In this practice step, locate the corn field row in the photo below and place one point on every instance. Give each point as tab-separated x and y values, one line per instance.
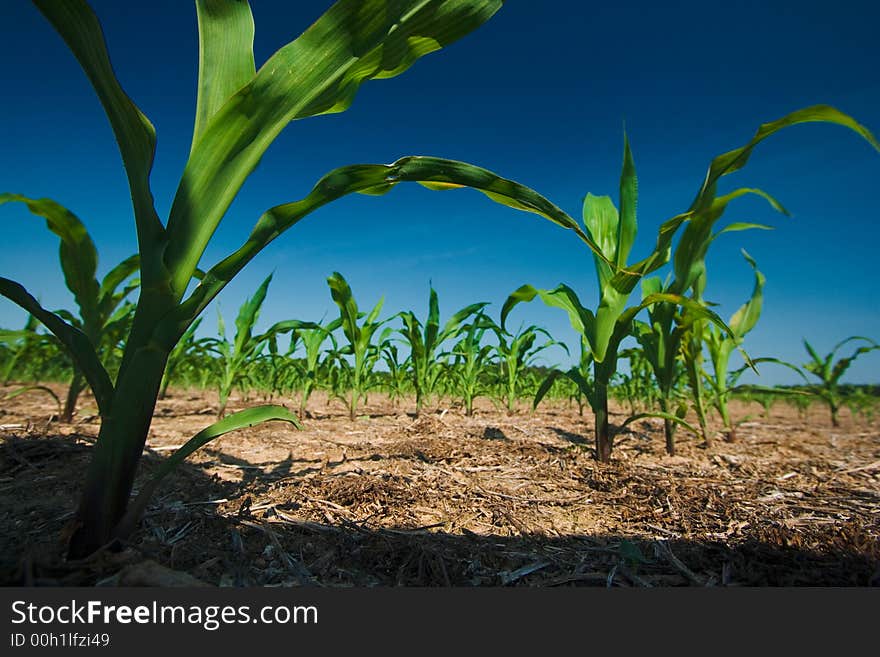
412	364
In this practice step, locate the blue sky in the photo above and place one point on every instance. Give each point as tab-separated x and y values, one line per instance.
538	94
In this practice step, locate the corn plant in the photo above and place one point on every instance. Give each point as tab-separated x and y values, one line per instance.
722	346
516	352
613	231
399	377
361	347
313	340
472	359
239	112
674	332
103	309
424	340
829	371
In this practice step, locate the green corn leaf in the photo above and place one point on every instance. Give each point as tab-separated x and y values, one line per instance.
342	295
226	56
78	345
602	223
690	254
664	416
736	159
739	226
77	253
745	318
233	422
107	297
629	194
318	73
432	327
455	321
582	319
354	179
77	24
248	315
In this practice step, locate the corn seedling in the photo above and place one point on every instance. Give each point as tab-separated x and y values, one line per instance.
829	371
515	353
424	340
472	359
721	346
360	347
103	310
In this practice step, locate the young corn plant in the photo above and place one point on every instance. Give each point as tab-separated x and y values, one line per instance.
104	313
313	340
424	340
674	332
361	347
236	358
399	379
472	359
240	110
613	232
515	353
829	371
721	346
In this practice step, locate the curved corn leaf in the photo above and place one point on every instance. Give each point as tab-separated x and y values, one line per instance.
318	73
735	160
77	24
582	319
690	254
738	226
248	314
355	179
664	416
108	298
37	388
78	345
77	253
736	374
233	422
745	318
573	374
342	295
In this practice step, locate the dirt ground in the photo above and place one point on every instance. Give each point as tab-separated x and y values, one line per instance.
440	500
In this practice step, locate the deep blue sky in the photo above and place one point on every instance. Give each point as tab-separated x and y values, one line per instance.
538	94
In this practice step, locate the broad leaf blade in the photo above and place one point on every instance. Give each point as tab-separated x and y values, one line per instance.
226	56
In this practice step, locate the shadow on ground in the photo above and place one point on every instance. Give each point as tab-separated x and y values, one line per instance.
225	533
